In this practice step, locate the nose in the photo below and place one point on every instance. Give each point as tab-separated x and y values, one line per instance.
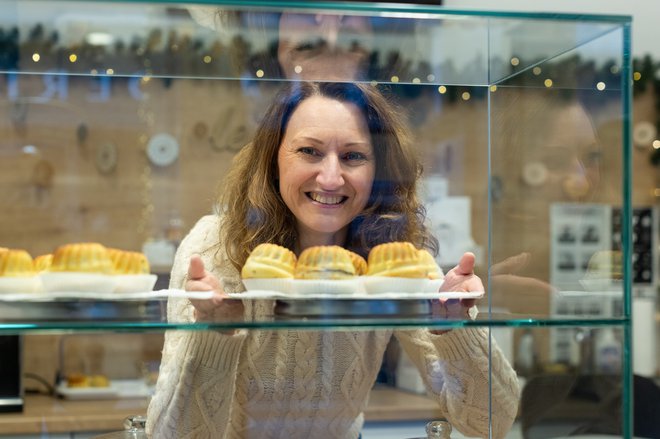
577	185
329	27
330	175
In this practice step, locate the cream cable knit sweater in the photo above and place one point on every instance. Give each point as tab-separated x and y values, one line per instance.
309	384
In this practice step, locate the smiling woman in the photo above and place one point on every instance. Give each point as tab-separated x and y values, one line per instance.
331	163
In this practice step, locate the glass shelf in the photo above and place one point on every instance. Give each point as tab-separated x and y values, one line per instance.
341	323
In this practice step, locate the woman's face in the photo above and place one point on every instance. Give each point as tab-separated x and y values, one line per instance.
326	167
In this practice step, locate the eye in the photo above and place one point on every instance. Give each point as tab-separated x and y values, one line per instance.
308	150
354	156
592	158
305	46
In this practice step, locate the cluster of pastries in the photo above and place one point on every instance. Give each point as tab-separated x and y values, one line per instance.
394	259
84	266
87	257
92	257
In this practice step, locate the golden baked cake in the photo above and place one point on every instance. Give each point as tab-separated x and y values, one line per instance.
43	262
427	260
16	263
77	380
395	259
99	381
85	257
605	265
269	261
325	262
129	262
359	263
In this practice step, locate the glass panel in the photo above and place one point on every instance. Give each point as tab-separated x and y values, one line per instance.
111	142
124	123
556	176
572	381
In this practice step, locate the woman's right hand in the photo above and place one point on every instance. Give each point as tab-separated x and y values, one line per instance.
217	308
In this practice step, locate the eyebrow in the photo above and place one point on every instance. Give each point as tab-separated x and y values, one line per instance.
319	141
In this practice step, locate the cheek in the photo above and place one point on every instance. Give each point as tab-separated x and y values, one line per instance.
365	183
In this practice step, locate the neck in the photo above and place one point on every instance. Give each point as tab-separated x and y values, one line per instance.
309	239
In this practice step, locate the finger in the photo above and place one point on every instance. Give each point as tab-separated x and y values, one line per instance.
466	264
196	269
513	282
511	264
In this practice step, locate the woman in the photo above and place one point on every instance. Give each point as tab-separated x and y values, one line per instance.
331	163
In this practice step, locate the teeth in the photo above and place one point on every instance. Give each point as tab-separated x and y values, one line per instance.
326	199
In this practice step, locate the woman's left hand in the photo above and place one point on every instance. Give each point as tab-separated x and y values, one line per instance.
461	278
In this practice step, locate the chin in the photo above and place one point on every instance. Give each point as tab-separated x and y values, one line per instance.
327	227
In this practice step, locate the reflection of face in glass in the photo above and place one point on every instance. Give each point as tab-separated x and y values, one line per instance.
571	155
323	46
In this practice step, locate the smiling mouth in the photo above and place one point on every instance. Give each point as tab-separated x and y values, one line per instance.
328	200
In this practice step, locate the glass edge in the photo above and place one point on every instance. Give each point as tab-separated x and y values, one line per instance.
388	7
626	86
335	324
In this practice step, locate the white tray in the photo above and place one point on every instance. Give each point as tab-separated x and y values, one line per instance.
118	389
102	296
274	295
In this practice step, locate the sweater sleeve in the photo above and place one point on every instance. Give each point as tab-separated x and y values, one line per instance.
457	373
195	388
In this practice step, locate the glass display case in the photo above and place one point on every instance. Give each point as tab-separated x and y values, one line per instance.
119	122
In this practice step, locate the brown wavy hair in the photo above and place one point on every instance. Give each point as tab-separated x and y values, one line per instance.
252	207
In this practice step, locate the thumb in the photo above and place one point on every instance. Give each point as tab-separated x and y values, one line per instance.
466	264
196	268
511	264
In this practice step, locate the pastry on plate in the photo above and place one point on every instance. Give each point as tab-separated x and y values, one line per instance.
77	380
359	263
268	261
99	381
43	262
396	259
129	262
431	267
328	262
16	263
86	257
